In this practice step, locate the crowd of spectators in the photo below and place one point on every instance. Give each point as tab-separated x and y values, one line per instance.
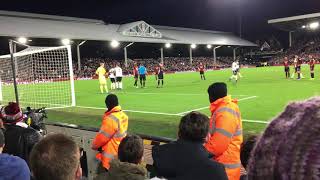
303	46
287	149
171	64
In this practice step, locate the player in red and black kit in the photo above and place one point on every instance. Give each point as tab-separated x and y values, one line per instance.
136	75
156	71
286	67
299	62
160	75
312	63
201	70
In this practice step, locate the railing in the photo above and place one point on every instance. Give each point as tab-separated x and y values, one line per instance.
84	137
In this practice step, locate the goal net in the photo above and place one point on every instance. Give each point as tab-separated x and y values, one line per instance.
44	77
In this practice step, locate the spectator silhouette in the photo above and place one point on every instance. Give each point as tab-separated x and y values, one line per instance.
187	159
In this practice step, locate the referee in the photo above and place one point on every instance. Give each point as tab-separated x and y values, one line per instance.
142	72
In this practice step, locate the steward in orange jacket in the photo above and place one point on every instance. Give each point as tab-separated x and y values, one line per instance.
225	137
113	130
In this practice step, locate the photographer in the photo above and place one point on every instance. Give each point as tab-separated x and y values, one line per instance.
20	138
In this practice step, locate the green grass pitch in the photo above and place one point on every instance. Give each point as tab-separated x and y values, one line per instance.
263	93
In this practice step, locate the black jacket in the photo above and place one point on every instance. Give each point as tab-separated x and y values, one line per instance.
184	160
19	141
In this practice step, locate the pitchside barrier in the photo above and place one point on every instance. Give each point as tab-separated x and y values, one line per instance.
84	137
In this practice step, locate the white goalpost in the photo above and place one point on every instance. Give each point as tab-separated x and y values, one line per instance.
44	77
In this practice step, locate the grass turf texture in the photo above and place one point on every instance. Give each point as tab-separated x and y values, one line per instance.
185	91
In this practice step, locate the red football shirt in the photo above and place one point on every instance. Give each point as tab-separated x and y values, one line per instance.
156	70
201	68
312	62
135	70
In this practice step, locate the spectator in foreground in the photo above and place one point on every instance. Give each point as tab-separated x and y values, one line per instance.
12	167
225	130
19	137
246	149
112	131
289	147
127	167
187	159
56	157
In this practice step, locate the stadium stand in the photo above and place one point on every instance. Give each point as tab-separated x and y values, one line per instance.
305	45
172	64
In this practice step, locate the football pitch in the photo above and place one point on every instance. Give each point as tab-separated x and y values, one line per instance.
262	93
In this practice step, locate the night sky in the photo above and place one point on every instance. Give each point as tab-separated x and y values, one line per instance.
222	15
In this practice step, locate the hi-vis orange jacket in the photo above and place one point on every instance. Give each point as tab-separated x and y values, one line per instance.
226	135
113	130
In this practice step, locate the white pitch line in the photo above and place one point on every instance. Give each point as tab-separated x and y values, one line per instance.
170	114
255	121
198	109
127	110
177	94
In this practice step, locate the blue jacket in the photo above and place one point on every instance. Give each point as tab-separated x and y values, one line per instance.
13	168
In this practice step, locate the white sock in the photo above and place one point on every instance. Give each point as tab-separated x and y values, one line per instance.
120	85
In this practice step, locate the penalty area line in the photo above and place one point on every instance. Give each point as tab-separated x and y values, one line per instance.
255	121
169	114
206	107
175	94
135	111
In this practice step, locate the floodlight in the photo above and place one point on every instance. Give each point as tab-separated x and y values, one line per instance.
22	40
193	46
65	41
168	45
303	27
314	25
114	44
209	46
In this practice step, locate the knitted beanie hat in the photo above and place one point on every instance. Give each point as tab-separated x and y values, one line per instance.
11	113
289	148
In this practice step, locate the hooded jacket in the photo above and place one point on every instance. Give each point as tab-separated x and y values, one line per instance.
123	171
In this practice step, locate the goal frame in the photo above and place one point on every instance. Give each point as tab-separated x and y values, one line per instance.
13	54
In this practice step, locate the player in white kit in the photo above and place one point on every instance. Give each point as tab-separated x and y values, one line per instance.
112	78
234	68
118	73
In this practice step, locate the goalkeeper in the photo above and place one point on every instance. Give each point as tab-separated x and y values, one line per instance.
101	72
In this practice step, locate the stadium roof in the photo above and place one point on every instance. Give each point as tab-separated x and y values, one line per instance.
295	22
16	24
